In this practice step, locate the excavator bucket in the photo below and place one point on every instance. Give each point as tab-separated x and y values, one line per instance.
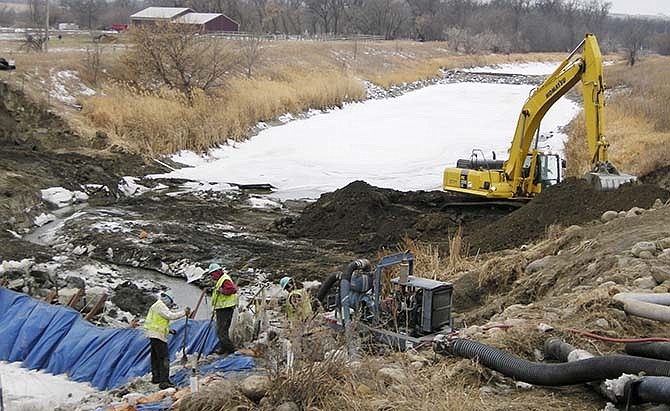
604	181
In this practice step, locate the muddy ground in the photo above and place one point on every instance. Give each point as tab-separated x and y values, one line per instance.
39	150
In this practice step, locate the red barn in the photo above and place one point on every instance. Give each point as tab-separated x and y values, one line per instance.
209	22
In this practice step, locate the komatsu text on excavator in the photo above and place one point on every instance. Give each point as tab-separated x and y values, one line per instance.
527	171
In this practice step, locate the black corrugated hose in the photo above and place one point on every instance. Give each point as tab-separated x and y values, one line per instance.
577	372
660	350
648	389
326	286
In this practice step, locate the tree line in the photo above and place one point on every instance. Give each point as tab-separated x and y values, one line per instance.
468	25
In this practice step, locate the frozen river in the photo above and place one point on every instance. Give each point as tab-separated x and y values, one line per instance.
402	143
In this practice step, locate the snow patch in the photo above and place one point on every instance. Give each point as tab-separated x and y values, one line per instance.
61	197
44	218
11	265
262	202
23	389
285	118
129	187
64	84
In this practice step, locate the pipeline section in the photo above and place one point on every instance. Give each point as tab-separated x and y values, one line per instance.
345	286
327	285
658	350
646	305
648	389
577	372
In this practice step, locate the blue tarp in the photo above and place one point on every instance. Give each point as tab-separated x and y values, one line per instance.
230	364
58	340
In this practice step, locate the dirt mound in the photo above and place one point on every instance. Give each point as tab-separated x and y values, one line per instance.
129	297
369	217
660	177
570	202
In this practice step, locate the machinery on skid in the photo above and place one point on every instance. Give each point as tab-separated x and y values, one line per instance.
527	171
402	312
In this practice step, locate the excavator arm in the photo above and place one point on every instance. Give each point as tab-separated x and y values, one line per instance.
562	80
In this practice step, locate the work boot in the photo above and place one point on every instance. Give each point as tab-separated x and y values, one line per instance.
165	385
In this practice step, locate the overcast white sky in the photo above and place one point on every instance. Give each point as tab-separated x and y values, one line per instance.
641	6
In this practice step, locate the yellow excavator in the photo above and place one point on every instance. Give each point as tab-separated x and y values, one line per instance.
527	171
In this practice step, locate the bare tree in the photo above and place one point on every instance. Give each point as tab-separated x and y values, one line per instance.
251	53
34	41
86	12
634	34
92	62
383	17
177	57
7	15
36	10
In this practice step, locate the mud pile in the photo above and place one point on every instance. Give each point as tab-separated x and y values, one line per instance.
368	217
660	177
571	202
129	297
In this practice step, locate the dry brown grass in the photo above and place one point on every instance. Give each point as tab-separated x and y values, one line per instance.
164	122
216	396
637	119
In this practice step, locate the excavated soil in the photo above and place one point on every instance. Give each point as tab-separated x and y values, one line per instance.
660	177
571	202
368	217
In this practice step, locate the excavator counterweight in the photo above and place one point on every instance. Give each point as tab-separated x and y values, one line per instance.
528	170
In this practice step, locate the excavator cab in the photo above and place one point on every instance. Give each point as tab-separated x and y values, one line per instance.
548	169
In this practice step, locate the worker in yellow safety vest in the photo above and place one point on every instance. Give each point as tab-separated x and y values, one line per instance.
157	328
298	302
224	301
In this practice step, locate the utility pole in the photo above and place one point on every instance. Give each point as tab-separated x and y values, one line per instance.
46	27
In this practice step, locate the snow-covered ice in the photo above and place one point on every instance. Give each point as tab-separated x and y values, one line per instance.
403	143
23	389
529	69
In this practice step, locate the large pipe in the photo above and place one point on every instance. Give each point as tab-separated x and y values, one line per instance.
650	306
326	286
649	389
577	372
659	350
645	389
345	283
562	351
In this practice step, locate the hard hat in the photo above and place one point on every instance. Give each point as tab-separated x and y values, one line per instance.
213	267
284	282
168	294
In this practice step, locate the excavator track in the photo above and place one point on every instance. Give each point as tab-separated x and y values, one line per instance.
510	205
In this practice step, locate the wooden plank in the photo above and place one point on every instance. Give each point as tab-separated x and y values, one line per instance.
97	308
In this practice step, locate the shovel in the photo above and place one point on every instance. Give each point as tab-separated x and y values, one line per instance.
184	358
194	371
